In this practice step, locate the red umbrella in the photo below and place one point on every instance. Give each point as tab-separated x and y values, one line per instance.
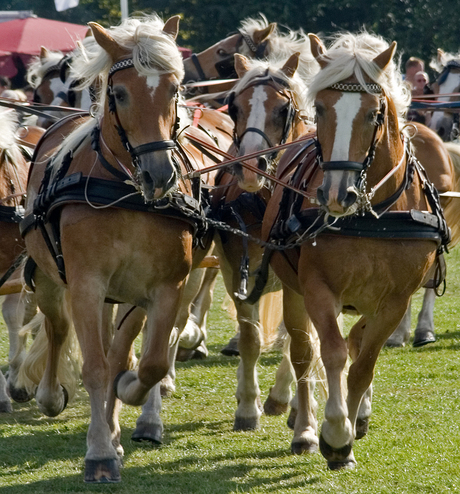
23	38
26	36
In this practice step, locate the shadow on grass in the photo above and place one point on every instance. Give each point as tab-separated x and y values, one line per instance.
192	474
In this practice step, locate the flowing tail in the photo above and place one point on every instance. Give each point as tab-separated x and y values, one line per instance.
33	367
452	208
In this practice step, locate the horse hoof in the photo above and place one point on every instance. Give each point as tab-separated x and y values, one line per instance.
301	447
153	435
423	337
337	458
341	465
291	419
6	407
231	349
246	424
102	471
390	343
362	428
274	407
19	395
184	354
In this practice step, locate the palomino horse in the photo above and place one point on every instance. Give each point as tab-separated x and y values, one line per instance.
109	217
266	105
357	235
16	308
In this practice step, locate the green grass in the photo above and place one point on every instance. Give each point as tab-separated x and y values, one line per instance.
413	445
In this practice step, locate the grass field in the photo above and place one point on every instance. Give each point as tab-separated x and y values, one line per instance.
413	445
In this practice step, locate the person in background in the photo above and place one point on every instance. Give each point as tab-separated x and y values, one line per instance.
420	81
413	65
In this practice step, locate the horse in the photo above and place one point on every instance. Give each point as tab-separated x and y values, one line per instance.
146	224
362	231
268	108
48	74
256	38
17	308
444	123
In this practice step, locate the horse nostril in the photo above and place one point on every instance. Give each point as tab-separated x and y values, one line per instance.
147	178
263	164
321	196
350	198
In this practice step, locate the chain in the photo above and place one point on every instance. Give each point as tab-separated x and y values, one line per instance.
301	238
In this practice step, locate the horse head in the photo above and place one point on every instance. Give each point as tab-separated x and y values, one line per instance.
446	124
140	109
265	106
352	115
217	61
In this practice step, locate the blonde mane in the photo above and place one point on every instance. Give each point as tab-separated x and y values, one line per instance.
282	45
352	55
8	126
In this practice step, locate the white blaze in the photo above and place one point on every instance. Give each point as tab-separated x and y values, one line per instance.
346	109
257	115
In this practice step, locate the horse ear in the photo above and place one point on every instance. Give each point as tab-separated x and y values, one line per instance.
386	56
105	41
291	65
262	34
171	26
88	33
43	53
241	65
440	55
318	50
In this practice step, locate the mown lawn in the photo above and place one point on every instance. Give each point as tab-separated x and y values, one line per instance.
413	445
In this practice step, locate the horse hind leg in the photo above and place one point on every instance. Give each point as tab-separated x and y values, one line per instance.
401	334
280	394
424	332
304	350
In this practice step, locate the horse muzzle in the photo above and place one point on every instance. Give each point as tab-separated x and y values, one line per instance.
249	180
338	194
158	175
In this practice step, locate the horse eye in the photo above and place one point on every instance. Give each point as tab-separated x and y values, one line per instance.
222	53
120	95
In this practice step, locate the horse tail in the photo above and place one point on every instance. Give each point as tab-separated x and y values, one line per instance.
270	317
452	209
33	367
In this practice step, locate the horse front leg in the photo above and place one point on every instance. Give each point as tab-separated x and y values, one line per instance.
119	356
132	387
337	433
102	462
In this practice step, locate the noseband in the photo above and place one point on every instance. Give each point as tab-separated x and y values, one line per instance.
136	152
282	87
357	166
